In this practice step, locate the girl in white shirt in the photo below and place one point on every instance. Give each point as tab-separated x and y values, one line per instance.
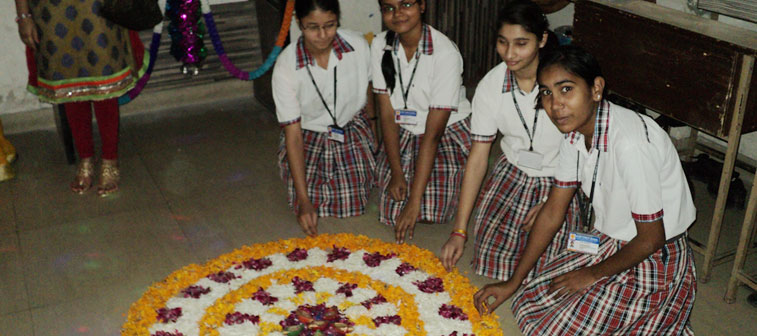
631	271
324	103
424	117
505	101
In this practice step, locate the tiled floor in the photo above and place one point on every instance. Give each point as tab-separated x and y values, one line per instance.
197	182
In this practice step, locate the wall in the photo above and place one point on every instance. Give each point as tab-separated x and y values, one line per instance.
13	74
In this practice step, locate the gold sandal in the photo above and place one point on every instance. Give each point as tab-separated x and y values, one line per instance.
83	179
109	178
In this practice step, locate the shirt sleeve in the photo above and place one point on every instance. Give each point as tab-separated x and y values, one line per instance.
377	53
565	175
483	125
284	85
640	174
447	80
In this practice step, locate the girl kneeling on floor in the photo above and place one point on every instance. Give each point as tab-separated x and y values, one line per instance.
631	271
424	117
505	101
324	103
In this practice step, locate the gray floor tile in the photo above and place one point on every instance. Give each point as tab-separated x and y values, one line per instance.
17	324
12	286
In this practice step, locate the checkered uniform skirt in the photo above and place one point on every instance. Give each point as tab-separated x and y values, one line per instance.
654	297
339	176
440	198
506	198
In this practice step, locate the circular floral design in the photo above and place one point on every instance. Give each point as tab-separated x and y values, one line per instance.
329	285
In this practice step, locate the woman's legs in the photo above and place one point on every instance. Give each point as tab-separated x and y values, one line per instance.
106	112
79	115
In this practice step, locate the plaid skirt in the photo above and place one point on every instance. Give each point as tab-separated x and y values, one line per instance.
339	176
653	298
506	198
440	198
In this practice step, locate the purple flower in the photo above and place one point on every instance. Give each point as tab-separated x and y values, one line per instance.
239	318
256	264
264	297
298	254
346	289
430	285
405	268
195	291
452	312
375	259
302	285
394	319
166	315
338	253
223	277
376	300
166	333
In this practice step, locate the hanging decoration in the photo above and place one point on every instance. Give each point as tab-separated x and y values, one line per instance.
187	31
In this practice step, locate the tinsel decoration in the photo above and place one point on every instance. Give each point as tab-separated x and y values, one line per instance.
187	31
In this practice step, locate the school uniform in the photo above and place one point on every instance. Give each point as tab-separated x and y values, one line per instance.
436	84
339	175
515	185
639	178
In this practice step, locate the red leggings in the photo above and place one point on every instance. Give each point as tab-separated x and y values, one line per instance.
79	116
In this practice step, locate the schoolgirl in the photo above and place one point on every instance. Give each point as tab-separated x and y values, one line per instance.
630	271
524	173
325	106
424	117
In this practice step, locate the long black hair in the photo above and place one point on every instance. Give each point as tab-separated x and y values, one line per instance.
528	15
302	8
387	64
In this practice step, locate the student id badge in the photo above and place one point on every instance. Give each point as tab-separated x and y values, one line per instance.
530	159
336	133
583	243
405	117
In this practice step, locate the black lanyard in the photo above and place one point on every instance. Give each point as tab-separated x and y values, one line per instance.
406	94
333	115
587	210
522	119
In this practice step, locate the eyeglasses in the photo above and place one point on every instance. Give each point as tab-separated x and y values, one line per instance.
404	6
314	28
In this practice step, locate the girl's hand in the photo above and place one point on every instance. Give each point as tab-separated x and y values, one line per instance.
572	282
531	217
452	251
28	33
308	219
406	222
397	188
501	291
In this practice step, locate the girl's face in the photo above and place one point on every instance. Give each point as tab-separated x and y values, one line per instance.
402	16
519	48
569	101
319	29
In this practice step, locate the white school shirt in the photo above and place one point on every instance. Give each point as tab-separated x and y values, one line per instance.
493	109
640	177
295	96
438	82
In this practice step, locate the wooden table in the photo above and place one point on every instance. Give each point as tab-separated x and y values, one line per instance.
689	68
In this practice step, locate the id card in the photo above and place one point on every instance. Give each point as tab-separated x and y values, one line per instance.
336	133
583	243
530	159
405	117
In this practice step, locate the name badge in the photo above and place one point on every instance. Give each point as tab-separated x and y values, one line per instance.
530	159
405	117
336	133
583	243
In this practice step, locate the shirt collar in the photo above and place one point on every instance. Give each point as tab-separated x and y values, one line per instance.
510	83
425	45
601	137
340	46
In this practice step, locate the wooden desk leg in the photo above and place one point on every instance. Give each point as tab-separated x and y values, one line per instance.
747	67
734	137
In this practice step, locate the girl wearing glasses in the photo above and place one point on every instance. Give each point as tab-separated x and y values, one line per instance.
324	105
631	271
505	101
417	76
